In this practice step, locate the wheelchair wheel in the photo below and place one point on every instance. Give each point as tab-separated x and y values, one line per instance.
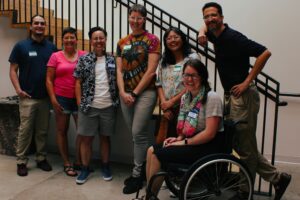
217	177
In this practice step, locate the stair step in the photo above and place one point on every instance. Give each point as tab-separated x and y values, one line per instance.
23	19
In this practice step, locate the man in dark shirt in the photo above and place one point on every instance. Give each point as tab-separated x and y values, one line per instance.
233	51
29	57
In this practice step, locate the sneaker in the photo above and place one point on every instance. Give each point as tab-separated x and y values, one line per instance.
22	169
282	184
44	165
128	180
133	184
83	176
106	173
143	175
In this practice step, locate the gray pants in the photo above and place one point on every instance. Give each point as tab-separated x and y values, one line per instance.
137	118
246	108
34	118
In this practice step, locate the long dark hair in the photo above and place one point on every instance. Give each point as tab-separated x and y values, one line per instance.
202	72
168	57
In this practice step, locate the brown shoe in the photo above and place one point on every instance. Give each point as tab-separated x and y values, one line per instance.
22	169
44	165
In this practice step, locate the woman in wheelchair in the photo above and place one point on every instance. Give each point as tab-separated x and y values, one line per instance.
199	126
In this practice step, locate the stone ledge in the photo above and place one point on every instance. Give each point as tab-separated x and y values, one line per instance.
9	124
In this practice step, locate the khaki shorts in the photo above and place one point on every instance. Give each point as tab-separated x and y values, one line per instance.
97	121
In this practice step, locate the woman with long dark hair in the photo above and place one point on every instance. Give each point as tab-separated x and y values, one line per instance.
169	78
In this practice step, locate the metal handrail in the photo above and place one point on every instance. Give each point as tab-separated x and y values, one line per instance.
289	94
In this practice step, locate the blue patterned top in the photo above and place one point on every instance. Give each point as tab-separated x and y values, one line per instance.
85	70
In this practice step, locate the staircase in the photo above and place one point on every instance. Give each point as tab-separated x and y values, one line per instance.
21	11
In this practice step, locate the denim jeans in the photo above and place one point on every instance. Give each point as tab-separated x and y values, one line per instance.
137	118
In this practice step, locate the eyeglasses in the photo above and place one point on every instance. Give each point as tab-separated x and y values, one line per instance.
186	76
172	37
138	19
213	15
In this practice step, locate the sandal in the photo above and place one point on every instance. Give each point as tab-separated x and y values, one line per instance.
69	170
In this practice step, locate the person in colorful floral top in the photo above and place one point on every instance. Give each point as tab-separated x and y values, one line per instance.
169	77
97	97
199	127
137	58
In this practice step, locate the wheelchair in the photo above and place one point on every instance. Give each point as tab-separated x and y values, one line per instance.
219	176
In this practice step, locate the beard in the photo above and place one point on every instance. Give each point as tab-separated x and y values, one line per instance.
214	26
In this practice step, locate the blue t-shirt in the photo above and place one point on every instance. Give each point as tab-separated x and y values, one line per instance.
32	58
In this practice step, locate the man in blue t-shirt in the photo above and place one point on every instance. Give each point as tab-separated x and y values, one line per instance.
28	61
233	51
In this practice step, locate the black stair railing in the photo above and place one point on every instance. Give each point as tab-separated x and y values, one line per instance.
113	15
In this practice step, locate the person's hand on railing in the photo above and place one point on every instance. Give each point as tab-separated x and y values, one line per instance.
202	38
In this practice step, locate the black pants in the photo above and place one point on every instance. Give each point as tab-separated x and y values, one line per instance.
188	154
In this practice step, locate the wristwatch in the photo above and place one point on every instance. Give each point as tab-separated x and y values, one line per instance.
133	94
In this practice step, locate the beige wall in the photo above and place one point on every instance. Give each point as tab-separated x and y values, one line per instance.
8	38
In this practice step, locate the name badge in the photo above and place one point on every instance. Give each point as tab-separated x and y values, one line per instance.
177	68
32	53
111	65
127	47
192	115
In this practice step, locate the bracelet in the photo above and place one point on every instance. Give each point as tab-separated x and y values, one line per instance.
185	141
133	94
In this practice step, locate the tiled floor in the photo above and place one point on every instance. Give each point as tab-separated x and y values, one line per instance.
55	185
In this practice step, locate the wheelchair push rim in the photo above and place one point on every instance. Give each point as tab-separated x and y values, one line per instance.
217	177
